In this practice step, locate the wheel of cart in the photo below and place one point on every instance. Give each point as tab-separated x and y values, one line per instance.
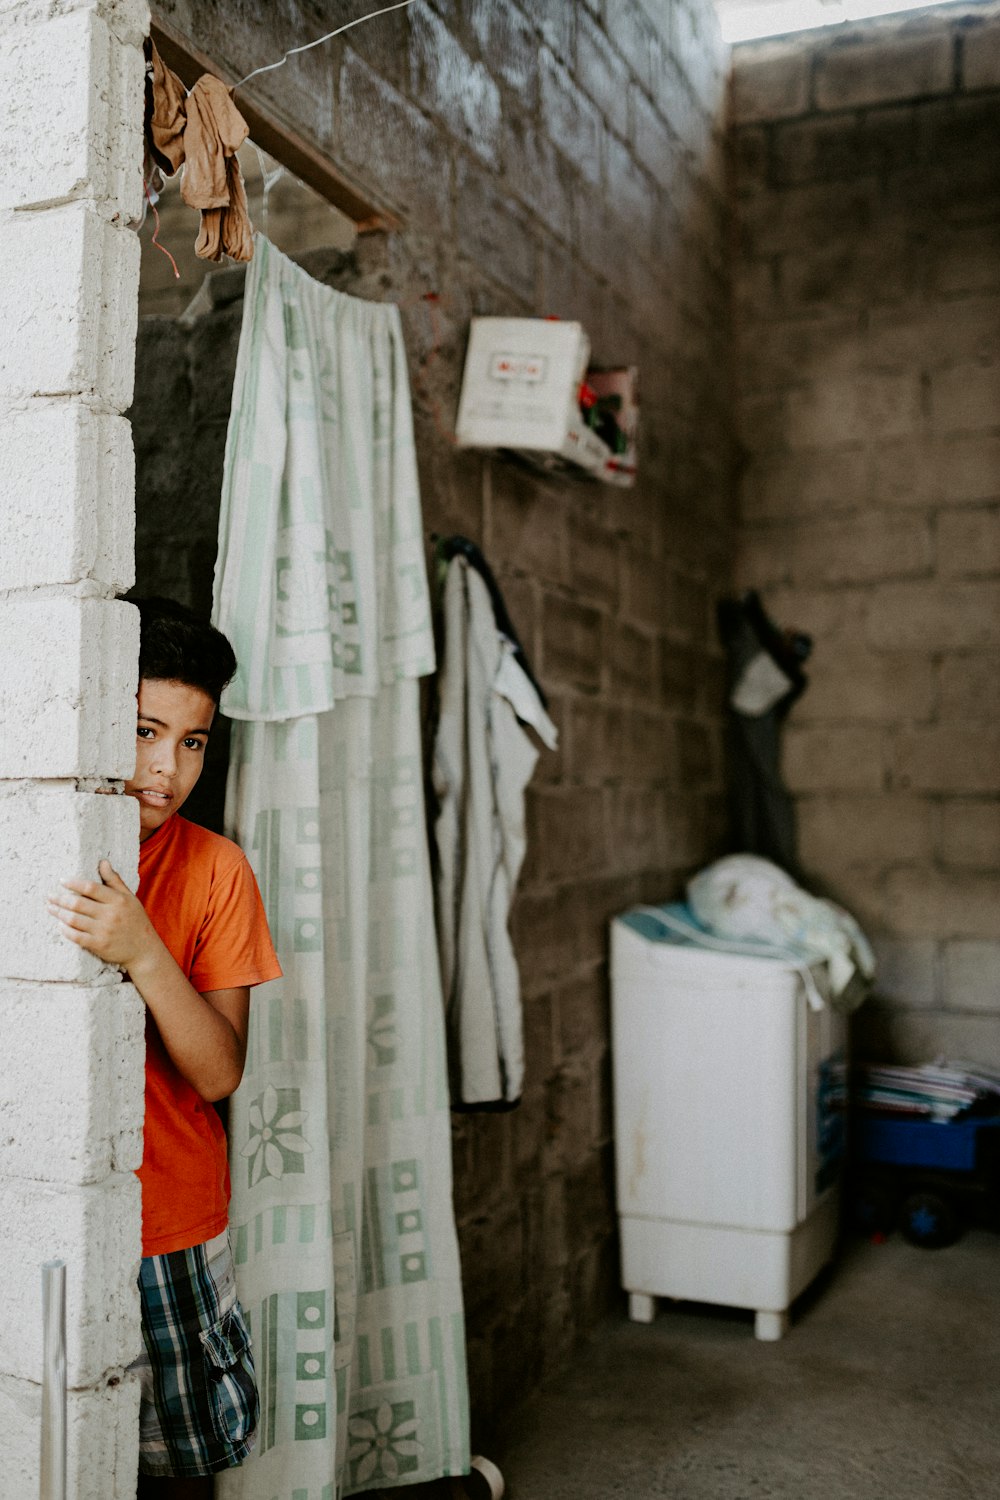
929	1177
929	1218
874	1203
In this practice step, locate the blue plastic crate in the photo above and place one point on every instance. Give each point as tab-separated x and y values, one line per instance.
947	1144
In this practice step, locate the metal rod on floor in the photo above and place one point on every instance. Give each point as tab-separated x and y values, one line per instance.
54	1381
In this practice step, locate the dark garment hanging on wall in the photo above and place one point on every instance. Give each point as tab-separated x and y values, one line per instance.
765	678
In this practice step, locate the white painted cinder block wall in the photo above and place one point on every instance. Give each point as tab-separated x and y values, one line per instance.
71	1032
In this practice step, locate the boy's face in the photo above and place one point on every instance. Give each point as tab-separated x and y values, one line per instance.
171	735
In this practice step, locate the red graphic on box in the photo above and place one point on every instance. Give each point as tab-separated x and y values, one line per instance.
529	369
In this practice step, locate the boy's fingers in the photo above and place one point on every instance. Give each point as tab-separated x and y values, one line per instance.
92	889
110	876
71	902
69	918
72	936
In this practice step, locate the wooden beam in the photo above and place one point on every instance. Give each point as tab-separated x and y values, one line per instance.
272	135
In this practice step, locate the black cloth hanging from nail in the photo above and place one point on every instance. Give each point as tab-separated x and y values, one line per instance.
764	679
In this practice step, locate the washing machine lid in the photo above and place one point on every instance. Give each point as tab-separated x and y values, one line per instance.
675	925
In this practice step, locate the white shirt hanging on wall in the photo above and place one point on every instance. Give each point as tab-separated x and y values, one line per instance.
483	761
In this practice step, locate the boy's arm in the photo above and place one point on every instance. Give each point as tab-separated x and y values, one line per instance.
205	1035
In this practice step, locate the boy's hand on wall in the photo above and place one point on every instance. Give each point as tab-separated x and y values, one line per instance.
104	917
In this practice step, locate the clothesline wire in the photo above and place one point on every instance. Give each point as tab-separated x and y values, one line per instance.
292	51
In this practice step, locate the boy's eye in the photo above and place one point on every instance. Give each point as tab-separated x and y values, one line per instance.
144	731
194	744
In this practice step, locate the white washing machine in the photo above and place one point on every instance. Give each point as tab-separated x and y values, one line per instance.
729	1130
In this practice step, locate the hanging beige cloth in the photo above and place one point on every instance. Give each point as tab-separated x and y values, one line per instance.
202	131
167	116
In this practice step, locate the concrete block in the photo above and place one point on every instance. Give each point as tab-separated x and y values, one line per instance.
596	749
523	515
601	73
934	616
786	486
956	330
392	145
967	260
850	759
684	673
848	275
968	543
972	977
854	74
769	84
966	397
906	972
68	318
849	684
90	1045
816	149
656	147
813	214
902	472
48	834
841	409
630	663
641	45
67	695
593	561
932	903
127	19
493	231
970	833
632	200
917	1036
96	1231
948	758
967	468
569	118
981	55
838	832
643	588
102	1439
635	819
85	141
565	832
507	44
539	176
68	496
450	84
969	685
870	548
571	637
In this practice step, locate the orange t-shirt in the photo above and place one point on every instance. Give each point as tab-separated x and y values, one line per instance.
200	894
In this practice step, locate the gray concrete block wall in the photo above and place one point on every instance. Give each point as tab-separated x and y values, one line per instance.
562	159
867	294
71	1033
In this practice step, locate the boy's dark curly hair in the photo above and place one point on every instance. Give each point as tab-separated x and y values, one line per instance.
177	645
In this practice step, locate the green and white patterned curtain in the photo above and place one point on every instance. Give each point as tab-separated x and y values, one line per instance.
340	1152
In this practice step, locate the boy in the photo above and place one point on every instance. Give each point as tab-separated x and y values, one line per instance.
193	943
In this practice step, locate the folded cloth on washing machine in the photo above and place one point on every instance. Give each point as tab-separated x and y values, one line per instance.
746	896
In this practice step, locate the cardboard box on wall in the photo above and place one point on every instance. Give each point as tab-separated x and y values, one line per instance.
520	391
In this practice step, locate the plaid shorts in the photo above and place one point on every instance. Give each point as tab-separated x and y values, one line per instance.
199	1402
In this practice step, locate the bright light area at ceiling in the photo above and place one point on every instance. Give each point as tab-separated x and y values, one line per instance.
746	20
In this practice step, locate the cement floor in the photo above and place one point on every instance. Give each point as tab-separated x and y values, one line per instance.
886	1388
